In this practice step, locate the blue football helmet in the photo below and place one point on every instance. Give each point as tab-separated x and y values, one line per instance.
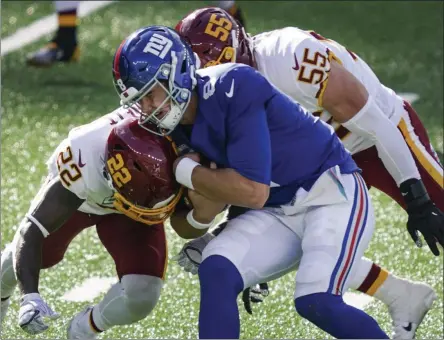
155	55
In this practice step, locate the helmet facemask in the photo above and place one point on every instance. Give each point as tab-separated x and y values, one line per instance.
150	216
176	97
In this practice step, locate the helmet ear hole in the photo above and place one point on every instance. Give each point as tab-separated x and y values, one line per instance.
119	147
137	166
184	67
197	23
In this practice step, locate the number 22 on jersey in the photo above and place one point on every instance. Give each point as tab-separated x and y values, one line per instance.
71	171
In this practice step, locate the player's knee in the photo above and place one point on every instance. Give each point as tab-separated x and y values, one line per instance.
318	306
141	294
8	278
217	272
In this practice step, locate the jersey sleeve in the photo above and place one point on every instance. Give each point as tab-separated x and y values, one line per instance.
248	136
312	66
67	164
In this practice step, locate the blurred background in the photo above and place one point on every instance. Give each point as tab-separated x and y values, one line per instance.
401	41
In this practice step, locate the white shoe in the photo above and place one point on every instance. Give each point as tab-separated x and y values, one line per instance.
79	327
413	302
4	309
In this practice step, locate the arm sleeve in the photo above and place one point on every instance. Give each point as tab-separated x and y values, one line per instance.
371	122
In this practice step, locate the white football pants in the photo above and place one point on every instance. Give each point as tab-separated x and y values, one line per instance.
324	237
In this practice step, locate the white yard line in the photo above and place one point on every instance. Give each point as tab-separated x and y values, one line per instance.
29	34
410	97
93	287
39	28
89	289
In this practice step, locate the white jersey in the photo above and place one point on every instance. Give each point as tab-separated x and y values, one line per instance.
297	62
79	161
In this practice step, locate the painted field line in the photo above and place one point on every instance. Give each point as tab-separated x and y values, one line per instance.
29	34
93	287
33	32
89	289
409	96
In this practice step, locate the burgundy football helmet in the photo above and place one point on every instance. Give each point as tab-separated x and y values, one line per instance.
140	169
216	37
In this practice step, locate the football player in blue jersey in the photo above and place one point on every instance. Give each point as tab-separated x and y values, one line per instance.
309	205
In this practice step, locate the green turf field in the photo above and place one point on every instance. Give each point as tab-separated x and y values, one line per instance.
402	41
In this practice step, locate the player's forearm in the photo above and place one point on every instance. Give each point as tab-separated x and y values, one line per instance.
28	258
181	226
392	148
227	185
349	103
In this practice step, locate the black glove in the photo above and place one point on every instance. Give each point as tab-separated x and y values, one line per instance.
424	216
254	294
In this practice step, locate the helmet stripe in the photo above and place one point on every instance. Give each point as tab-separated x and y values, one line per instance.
116	67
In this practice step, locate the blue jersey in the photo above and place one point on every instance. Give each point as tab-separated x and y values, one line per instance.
245	123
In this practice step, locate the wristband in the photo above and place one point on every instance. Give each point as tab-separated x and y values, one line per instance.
184	170
414	193
195	224
30	296
38	224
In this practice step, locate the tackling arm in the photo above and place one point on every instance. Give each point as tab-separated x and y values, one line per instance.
347	100
359	113
227	185
195	214
181	226
55	206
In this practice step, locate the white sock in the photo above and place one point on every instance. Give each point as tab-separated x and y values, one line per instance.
388	291
8	280
63	6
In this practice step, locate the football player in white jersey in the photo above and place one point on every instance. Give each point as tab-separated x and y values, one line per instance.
380	129
230	114
383	132
113	174
64	48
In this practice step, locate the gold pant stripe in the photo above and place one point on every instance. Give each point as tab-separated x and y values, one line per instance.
378	282
166	259
68	20
424	158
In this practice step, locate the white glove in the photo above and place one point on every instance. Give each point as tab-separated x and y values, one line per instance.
32	311
190	255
